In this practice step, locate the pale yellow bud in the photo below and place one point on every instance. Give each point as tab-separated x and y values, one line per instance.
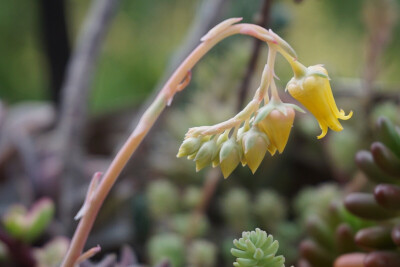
205	155
255	144
229	156
189	146
277	126
220	140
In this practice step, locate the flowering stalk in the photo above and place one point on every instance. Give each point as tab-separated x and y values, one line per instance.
164	98
244	138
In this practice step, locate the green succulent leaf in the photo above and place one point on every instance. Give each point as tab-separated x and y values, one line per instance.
256	249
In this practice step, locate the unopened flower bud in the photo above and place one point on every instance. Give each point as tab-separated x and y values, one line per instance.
220	140
277	125
229	156
255	144
189	146
205	155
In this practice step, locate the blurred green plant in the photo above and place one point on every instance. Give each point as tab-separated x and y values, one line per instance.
167	246
191	197
28	225
316	200
201	253
235	206
189	224
270	209
52	253
3	251
163	198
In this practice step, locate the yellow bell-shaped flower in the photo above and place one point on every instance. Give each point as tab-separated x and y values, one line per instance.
313	90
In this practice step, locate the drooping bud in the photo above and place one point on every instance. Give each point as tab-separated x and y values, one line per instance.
242	132
255	144
189	146
205	155
220	140
229	156
275	119
277	126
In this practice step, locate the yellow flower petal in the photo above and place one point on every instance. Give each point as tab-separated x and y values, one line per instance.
315	93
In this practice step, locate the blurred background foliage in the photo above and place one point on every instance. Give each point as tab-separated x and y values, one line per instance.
161	207
144	35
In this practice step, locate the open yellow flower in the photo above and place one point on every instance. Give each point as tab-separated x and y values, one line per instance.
313	90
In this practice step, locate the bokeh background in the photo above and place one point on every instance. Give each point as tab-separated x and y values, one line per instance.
160	207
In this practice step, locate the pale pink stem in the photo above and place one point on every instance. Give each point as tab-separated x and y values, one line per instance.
146	122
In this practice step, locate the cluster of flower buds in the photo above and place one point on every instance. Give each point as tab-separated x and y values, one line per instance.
255	130
267	130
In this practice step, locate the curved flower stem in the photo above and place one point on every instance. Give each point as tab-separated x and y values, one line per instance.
274	91
245	114
146	122
299	69
267	76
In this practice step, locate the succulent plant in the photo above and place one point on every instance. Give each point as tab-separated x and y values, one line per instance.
201	253
167	246
364	230
192	197
235	207
52	253
256	249
163	198
189	224
28	225
381	242
270	209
